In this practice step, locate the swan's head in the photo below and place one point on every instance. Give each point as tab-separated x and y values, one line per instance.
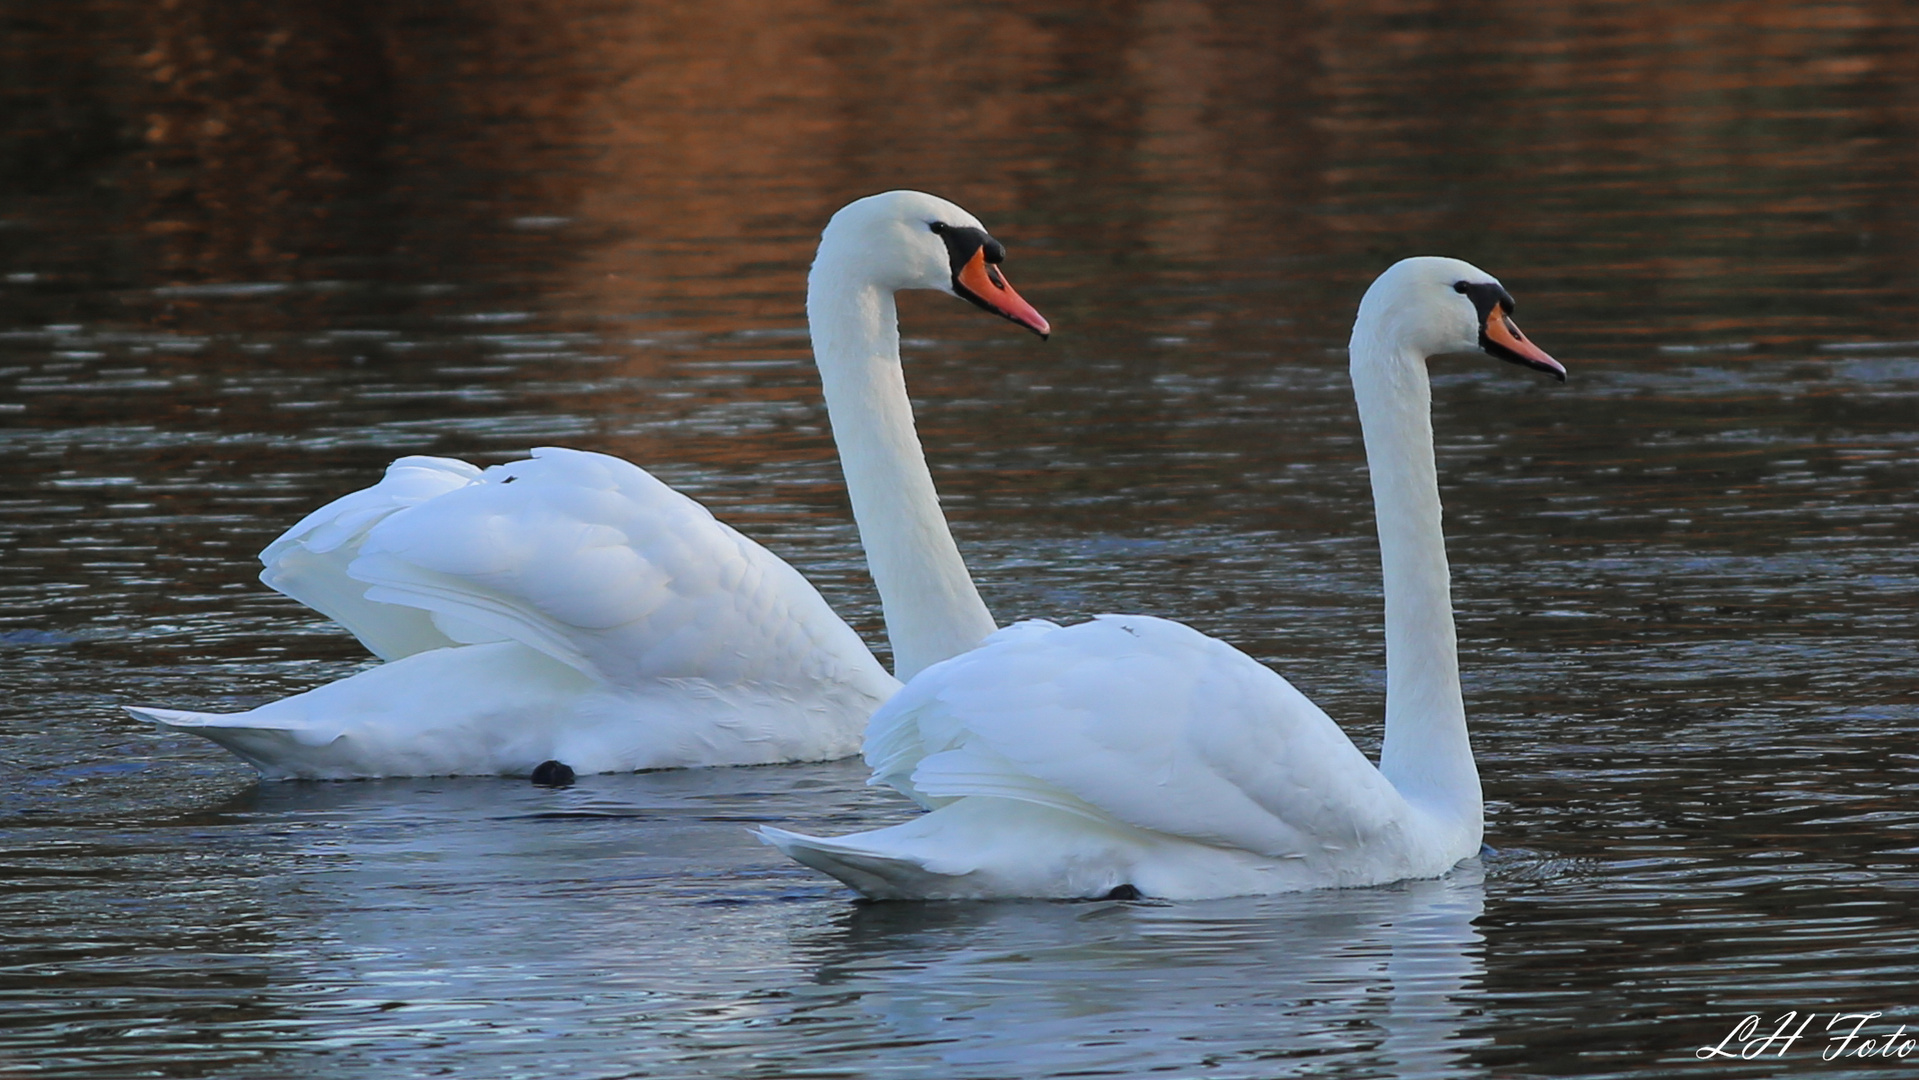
912	240
1430	305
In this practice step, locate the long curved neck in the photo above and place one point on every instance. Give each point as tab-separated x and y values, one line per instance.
932	609
1426	755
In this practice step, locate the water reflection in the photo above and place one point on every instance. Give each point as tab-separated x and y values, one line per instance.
1373	977
438	921
1747	173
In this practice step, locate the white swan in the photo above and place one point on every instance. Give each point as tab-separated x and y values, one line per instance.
571	607
1132	756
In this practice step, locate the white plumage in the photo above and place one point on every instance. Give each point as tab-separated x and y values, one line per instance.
1129	750
1133	755
571	607
568	606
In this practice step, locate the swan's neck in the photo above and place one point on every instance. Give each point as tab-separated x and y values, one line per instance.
1426	755
932	609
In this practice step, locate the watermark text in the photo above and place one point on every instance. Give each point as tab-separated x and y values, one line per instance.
1848	1035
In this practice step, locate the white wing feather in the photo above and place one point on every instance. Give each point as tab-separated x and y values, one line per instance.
309	561
1142	720
594	562
567	607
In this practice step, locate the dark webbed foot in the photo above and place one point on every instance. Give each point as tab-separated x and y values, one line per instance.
553	774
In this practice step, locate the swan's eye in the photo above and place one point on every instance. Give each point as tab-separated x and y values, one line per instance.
938	227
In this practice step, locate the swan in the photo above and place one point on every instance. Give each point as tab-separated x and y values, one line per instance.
1133	756
570	607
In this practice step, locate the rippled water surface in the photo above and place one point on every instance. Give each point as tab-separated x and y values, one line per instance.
252	253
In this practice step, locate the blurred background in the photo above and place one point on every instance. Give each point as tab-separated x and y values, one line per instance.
678	159
251	252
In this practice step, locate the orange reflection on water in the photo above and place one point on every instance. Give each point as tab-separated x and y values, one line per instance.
678	158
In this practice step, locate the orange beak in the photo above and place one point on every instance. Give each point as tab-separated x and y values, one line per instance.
1503	332
983	284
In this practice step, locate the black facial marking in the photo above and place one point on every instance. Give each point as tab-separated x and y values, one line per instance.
963	240
962	243
1485	296
1488	297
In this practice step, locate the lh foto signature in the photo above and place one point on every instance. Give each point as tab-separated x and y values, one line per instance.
1845	1035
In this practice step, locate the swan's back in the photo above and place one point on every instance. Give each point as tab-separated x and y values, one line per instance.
594	562
1142	719
565	606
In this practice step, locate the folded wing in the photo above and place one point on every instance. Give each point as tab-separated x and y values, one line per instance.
1139	719
592	561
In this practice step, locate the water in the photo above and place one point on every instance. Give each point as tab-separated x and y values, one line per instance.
247	256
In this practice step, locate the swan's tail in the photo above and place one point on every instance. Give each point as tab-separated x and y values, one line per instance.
266	747
876	874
